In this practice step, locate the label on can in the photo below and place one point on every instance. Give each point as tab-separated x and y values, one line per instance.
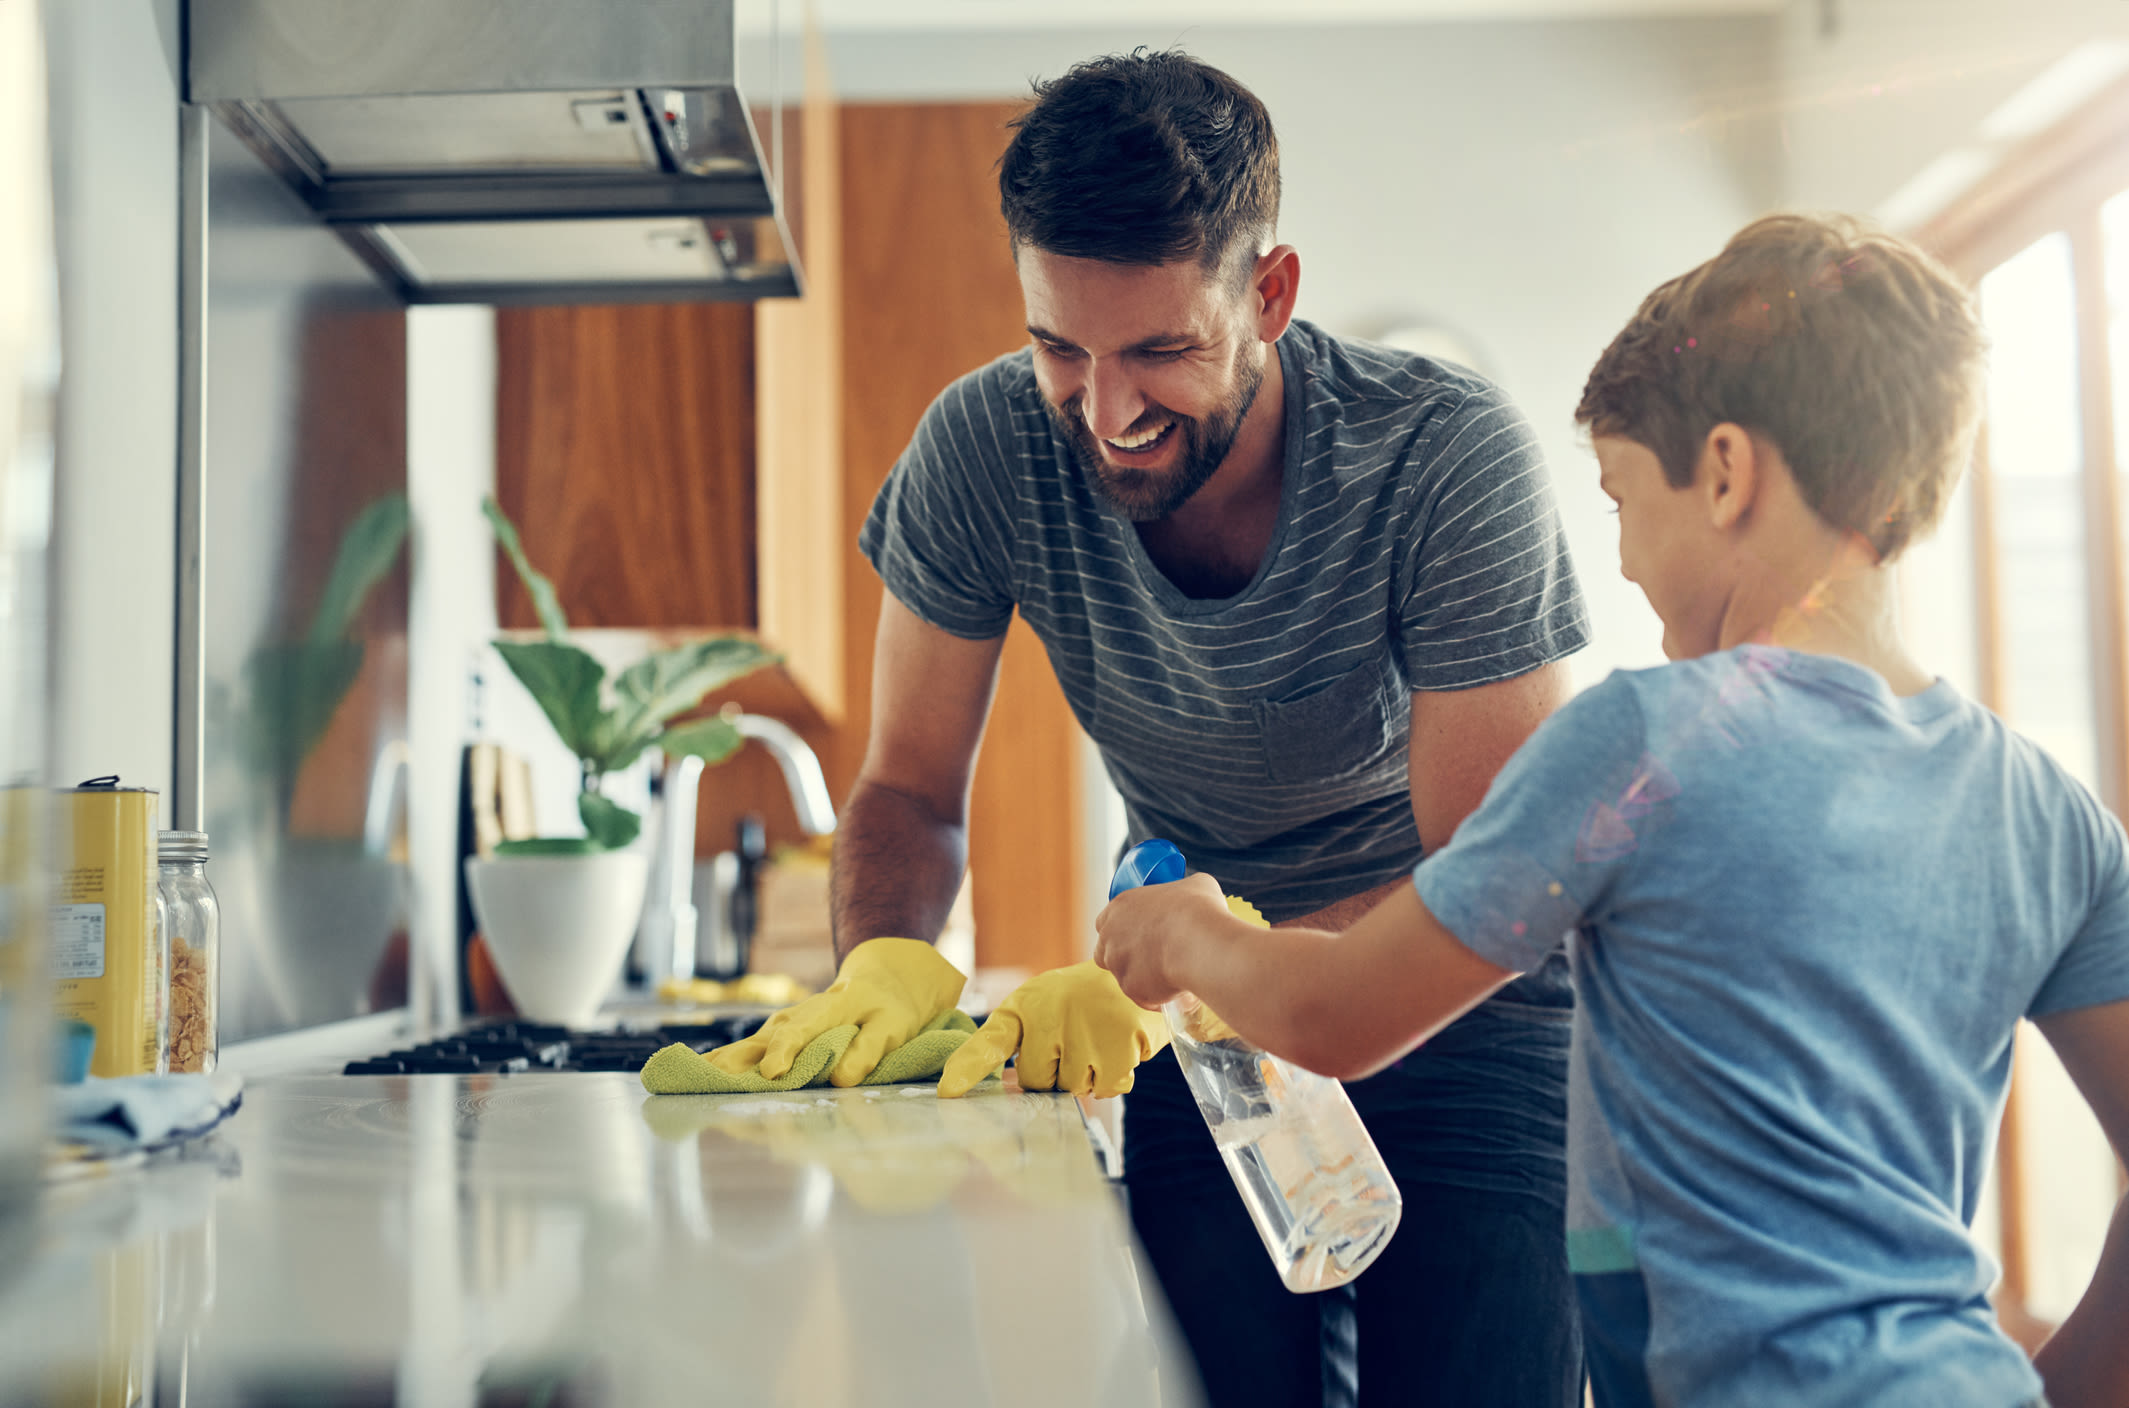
77	941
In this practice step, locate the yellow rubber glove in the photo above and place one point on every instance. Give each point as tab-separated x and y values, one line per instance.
1074	1030
889	989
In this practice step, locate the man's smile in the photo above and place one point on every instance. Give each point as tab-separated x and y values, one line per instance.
1139	443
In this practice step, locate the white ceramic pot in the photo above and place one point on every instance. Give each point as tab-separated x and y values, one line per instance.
558	927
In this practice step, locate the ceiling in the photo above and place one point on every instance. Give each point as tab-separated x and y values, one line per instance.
850	16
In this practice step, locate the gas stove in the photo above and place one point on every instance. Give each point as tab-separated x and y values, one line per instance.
503	1048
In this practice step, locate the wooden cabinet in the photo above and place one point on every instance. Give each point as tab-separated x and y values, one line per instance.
934	295
625	454
799	390
709	466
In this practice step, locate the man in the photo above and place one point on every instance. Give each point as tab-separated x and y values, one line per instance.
1307	596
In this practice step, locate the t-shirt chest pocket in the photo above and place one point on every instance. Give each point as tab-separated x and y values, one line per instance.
1334	729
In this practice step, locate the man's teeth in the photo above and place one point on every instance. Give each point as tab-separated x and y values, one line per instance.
1141	440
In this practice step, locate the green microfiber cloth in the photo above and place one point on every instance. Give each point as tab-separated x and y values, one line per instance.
678	1070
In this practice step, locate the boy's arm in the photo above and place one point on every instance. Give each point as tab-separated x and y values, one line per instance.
2086	1362
1342	1005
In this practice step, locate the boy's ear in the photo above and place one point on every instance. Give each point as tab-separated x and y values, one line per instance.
1728	476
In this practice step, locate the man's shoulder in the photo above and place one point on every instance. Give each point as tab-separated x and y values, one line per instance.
1003	383
1364	379
1384	410
988	417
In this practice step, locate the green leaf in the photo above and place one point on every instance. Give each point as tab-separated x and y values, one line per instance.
565	681
712	740
615	756
544	601
610	824
674	681
367	550
551	846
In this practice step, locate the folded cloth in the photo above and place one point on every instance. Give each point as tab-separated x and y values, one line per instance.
123	1113
679	1070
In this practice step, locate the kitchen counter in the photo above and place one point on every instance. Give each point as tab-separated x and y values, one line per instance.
565	1239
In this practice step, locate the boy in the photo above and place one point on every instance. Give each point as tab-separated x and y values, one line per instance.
1807	891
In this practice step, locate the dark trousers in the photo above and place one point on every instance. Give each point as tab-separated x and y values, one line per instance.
1471	1305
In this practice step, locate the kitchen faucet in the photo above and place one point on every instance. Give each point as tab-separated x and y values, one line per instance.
665	938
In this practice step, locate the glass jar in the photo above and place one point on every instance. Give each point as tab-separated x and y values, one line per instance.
193	921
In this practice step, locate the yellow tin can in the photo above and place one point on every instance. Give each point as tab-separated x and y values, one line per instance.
108	962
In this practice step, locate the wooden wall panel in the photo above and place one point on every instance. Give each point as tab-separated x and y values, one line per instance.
801	533
625	454
932	294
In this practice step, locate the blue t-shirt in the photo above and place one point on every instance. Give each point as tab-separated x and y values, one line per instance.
1804	917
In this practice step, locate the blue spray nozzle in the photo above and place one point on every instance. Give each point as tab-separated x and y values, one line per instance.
1153	862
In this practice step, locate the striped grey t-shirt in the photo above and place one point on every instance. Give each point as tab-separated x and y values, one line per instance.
1417	548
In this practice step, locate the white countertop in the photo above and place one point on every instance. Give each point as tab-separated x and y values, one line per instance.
454	1240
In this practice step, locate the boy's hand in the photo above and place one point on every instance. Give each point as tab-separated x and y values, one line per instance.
1144	931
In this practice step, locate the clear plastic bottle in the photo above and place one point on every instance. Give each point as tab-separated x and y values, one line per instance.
1318	1191
192	919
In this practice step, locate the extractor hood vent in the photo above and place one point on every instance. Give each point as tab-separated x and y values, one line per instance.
517	151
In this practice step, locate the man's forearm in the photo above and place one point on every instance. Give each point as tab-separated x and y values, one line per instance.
2087	1360
898	866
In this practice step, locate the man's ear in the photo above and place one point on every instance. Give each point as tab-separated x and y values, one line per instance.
1276	282
1729	475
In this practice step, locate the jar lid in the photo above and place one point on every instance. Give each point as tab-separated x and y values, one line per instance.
181	845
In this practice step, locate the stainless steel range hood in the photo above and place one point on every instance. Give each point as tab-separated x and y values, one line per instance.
518	151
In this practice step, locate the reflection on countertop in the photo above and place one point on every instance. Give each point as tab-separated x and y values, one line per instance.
461	1240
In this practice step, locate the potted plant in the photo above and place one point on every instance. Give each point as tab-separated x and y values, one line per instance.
558	912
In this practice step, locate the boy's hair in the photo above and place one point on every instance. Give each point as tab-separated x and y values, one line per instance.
1141	158
1856	354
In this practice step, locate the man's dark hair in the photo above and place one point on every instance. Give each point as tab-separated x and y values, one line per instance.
1141	158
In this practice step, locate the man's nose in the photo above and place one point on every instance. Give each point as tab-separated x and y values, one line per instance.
1112	402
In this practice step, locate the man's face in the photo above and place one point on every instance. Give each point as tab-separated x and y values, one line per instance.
1667	547
1148	370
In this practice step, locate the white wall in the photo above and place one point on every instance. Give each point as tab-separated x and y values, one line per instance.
1868	103
1526	183
29	374
114	85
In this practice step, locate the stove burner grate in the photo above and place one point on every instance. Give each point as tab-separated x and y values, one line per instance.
502	1048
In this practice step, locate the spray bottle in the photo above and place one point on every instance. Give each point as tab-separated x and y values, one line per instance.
1319	1193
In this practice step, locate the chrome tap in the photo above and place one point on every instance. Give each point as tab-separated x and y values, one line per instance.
801	769
666	936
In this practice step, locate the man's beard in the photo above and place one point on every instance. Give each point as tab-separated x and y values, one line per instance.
1143	495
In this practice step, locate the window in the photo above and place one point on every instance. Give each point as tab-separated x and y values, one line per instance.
2023	593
